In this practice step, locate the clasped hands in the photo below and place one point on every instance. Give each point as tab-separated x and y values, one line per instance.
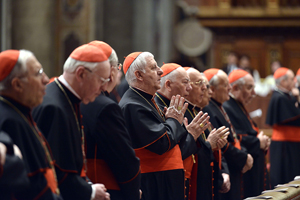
176	108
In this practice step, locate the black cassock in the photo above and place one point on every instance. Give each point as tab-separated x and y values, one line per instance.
188	147
34	156
57	122
207	166
235	158
109	147
155	141
284	118
256	180
13	176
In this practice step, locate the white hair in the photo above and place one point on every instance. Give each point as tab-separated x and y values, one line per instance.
18	70
139	64
171	76
298	79
71	65
278	80
239	82
113	58
214	81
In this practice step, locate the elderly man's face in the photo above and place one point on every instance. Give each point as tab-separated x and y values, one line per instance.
152	77
221	91
34	83
181	84
95	82
247	90
198	84
206	94
290	84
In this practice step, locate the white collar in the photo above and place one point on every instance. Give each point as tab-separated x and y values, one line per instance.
63	81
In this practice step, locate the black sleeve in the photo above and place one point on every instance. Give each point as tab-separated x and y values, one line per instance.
252	144
174	132
112	136
14	178
188	146
72	186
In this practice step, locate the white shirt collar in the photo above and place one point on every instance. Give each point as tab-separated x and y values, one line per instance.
63	81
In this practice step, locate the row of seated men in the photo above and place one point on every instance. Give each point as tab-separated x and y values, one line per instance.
176	134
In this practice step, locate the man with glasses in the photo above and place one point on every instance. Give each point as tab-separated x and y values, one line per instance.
174	81
155	134
22	87
256	143
111	159
284	117
86	75
237	159
209	159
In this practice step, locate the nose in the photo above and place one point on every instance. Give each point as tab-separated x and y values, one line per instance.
159	71
210	91
203	87
253	92
103	87
45	78
188	87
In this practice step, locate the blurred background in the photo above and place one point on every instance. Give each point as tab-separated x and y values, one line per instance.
198	33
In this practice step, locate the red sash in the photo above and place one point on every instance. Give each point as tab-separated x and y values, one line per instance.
99	172
286	133
152	162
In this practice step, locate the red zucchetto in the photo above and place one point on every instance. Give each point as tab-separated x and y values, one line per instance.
209	73
8	60
280	72
298	72
106	48
129	60
168	68
236	75
89	53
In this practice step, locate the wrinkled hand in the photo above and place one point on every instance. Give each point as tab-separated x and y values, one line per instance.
249	164
199	124
2	153
218	138
176	109
17	151
101	193
295	92
226	183
268	144
264	140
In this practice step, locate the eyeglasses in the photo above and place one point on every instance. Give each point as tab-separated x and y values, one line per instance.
118	66
200	83
104	81
39	73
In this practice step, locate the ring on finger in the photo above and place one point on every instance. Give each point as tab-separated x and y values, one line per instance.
201	125
179	108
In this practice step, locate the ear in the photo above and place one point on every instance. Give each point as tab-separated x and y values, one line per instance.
113	74
80	73
17	85
138	75
168	85
212	87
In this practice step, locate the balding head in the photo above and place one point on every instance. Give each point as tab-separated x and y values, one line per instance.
220	87
175	82
199	85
